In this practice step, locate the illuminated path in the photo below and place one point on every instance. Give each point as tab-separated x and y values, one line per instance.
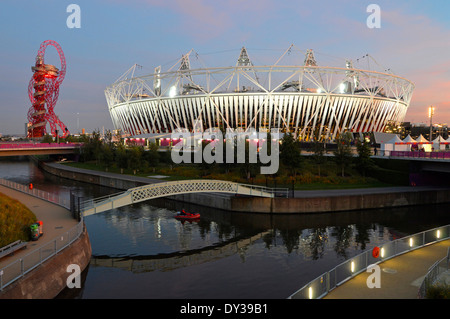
400	276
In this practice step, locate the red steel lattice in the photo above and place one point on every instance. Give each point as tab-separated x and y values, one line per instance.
45	82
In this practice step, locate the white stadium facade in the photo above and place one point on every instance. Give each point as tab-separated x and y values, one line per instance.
311	101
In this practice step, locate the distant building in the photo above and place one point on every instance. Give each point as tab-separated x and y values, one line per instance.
416	129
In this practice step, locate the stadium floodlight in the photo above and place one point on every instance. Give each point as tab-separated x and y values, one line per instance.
173	91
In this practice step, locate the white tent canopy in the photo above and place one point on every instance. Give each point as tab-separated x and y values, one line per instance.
381	138
395	144
422	139
424	143
409	140
437	143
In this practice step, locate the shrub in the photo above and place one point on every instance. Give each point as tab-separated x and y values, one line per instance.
15	219
438	291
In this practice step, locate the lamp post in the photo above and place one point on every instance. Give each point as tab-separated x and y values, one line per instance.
430	115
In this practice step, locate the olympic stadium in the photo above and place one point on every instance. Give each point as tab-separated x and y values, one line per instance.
311	101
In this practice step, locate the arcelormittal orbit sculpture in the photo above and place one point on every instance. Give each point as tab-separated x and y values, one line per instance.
45	83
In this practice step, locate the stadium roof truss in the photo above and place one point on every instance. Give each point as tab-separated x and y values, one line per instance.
312	101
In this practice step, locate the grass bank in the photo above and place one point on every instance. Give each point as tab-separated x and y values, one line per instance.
310	176
15	220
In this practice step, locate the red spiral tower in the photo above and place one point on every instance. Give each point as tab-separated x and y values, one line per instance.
45	82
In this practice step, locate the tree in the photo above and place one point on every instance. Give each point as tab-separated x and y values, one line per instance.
318	156
248	169
107	155
96	143
290	153
343	152
135	158
364	162
47	139
152	155
121	157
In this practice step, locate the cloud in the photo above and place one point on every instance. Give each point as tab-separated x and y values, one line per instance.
413	46
203	20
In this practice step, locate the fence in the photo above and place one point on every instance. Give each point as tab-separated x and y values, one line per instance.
49	197
37	145
418	154
323	284
30	261
433	274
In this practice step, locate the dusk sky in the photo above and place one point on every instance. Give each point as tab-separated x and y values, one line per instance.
413	41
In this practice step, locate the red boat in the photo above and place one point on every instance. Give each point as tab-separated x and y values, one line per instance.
187	216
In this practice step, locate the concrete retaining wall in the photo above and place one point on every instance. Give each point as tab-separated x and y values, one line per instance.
339	203
118	183
49	279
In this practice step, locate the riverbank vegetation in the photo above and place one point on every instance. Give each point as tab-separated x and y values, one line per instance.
438	291
348	165
15	221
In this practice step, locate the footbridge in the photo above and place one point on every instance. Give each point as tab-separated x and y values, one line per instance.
156	190
26	149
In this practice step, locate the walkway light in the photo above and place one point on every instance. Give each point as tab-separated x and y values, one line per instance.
382	252
352	266
410	242
310	293
438	234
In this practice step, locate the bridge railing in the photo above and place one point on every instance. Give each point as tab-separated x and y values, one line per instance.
162	189
419	154
91	203
322	285
37	145
200	186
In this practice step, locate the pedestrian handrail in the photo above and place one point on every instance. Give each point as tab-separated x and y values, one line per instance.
36	257
37	145
28	189
419	154
11	248
322	285
433	273
20	267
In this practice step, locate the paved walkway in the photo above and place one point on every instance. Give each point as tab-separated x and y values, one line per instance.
401	276
56	221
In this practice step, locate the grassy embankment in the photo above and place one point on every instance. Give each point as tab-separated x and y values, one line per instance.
310	176
15	220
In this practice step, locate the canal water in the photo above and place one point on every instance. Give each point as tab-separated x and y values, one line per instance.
141	251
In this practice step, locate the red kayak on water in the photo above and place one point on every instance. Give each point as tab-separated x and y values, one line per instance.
185	215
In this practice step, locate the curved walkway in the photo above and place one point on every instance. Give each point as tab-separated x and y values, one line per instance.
400	276
56	221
